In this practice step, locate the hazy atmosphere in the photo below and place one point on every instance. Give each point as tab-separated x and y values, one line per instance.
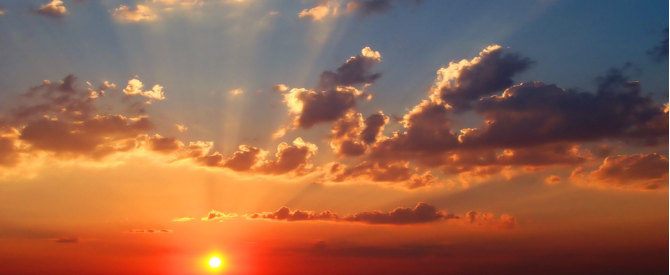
333	137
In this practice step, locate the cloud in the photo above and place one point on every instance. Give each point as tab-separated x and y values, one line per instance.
280	88
463	82
322	10
66	240
355	71
183	219
135	87
422	213
335	94
427	136
489	219
164	144
530	125
367	7
312	107
181	127
374	125
55	9
286	214
97	137
660	52
141	13
63	119
170	4
9	155
638	172
552	180
536	113
290	158
351	135
398	172
216	215
235	92
150	231
245	158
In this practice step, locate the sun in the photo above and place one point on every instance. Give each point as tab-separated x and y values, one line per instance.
217	263
214	262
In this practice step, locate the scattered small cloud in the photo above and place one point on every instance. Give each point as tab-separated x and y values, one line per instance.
150	231
184	219
181	127
55	9
552	180
323	9
66	240
216	215
235	92
141	13
135	87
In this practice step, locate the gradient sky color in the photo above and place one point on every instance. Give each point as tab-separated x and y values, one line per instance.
333	137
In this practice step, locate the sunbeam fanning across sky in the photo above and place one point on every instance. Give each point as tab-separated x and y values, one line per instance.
334	137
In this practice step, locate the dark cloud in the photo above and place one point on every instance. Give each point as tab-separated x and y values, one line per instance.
367	7
421	213
66	240
290	158
325	106
427	136
351	135
639	171
461	83
535	113
245	158
529	125
96	137
355	71
336	94
374	125
286	214
164	144
660	52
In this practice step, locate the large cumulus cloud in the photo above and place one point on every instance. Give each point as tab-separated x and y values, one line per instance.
336	93
530	124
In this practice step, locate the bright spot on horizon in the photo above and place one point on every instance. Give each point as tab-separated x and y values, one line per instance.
215	262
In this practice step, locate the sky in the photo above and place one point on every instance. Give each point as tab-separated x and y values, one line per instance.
333	137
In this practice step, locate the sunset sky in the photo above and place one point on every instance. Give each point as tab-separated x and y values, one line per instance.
333	137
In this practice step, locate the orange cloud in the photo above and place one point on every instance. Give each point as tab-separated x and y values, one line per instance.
322	10
55	8
422	213
637	172
135	87
141	13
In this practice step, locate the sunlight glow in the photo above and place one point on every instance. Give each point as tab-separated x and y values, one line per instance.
214	262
